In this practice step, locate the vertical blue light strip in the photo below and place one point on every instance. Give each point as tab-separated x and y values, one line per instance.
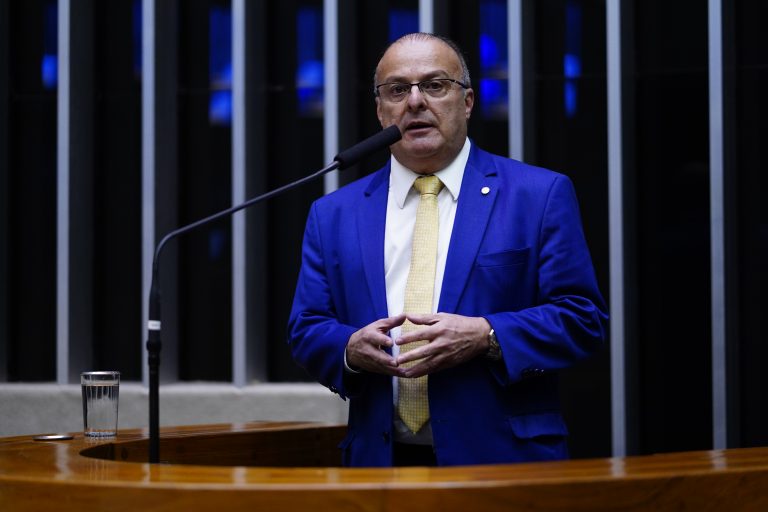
572	57
616	229
717	227
220	66
494	61
309	75
49	66
136	34
401	22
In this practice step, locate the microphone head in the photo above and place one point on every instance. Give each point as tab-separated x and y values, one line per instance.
367	147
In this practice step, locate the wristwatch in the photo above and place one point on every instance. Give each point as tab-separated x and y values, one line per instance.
494	349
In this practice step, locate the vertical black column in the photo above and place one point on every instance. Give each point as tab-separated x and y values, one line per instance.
205	186
117	187
296	147
731	132
256	338
165	149
363	36
746	159
568	80
4	190
630	206
31	173
673	280
81	178
350	79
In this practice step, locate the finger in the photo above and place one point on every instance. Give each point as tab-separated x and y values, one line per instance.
393	321
368	337
426	334
385	361
387	366
394	371
379	340
423	352
378	335
373	360
422	319
422	367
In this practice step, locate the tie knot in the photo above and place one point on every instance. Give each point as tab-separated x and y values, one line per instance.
428	185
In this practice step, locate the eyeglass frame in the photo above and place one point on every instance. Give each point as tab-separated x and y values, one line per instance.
419	84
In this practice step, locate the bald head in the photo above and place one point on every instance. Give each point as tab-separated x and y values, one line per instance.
424	36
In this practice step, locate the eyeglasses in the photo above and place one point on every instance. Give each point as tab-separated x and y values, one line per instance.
395	92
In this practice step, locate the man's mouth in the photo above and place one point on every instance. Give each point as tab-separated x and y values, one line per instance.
417	125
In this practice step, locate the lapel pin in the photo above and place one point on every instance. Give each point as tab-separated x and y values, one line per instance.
485	190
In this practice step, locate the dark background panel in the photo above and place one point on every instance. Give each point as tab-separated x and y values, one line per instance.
205	162
117	188
31	244
672	229
294	148
4	192
472	26
569	133
750	75
366	29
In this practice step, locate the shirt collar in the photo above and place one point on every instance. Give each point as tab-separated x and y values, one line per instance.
401	178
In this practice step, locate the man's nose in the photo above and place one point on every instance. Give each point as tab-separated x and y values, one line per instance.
415	97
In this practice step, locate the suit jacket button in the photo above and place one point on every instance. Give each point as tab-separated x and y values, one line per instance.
385	436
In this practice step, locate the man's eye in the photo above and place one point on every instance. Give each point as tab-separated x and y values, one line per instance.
398	89
432	86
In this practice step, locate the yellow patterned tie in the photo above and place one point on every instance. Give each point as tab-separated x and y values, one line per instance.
412	405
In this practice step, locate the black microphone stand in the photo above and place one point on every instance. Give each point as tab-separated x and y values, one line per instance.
154	344
343	160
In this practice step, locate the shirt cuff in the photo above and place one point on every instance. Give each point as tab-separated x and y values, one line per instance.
346	366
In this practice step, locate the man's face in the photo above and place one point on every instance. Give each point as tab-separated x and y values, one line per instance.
434	129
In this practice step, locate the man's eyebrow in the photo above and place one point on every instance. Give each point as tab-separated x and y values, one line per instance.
426	76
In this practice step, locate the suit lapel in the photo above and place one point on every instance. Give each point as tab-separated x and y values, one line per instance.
472	216
371	217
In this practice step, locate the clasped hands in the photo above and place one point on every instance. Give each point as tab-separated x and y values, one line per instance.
452	340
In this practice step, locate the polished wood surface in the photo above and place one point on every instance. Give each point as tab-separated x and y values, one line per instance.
294	466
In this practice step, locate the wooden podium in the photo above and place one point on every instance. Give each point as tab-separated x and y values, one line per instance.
295	466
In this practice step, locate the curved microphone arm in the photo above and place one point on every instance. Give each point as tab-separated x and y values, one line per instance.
343	160
154	345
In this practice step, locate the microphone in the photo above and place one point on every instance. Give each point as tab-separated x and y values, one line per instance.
384	138
343	160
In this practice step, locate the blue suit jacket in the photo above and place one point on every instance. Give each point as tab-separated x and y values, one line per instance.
517	257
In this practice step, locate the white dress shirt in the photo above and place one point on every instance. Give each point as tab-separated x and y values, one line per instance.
402	203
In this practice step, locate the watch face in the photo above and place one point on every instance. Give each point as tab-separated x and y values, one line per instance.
494	350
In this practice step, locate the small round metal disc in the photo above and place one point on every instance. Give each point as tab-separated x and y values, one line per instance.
53	437
485	190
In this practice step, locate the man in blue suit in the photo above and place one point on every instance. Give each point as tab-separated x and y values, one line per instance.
515	296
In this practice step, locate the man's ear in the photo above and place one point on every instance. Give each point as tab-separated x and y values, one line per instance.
469	101
378	112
